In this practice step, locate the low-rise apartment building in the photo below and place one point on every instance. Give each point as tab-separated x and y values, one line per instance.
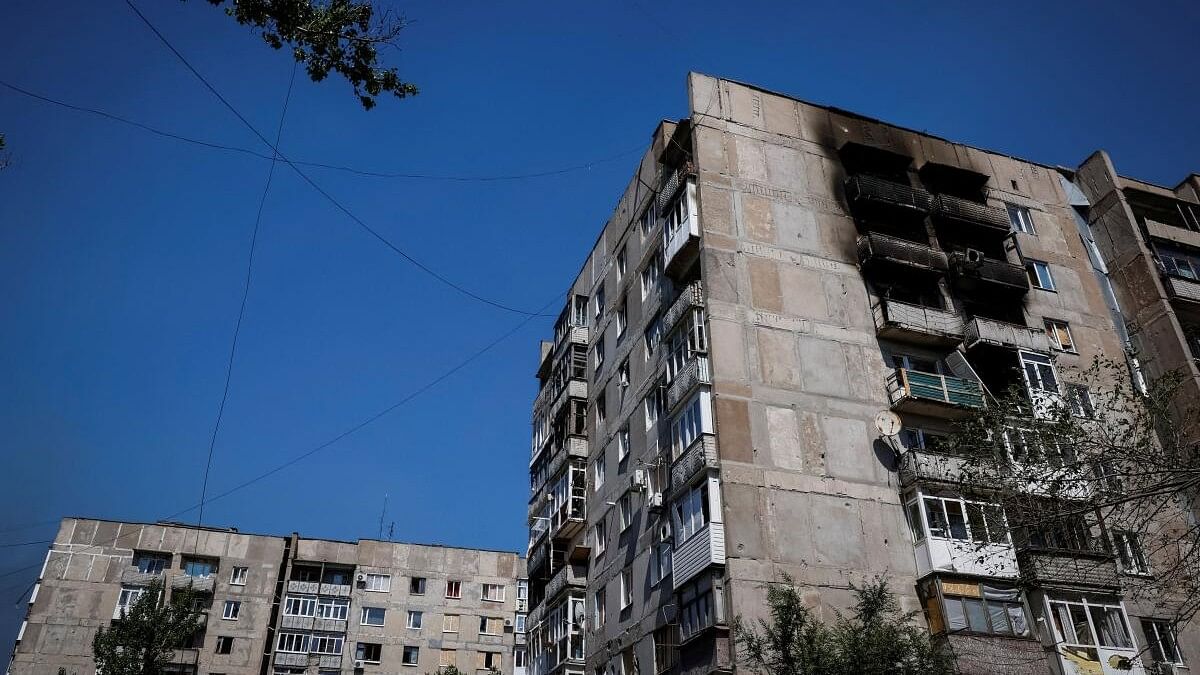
277	605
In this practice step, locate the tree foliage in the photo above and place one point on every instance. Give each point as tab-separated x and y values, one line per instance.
1087	470
143	639
339	36
878	639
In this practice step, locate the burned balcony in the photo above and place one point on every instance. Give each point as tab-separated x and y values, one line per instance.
877	250
958	211
982	331
874	193
916	323
568	498
913	391
1182	289
1092	569
975	272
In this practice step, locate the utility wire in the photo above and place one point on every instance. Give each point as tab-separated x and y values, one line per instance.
462	178
237	328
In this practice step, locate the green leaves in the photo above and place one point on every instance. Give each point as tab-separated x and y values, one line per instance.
142	641
339	36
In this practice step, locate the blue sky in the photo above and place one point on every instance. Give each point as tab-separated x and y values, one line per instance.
122	254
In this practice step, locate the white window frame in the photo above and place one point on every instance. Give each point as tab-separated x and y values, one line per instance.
457	586
232	610
296	605
1153	629
483	593
450	623
601	537
487	622
378	583
1020	219
360	652
1053	329
1041	278
623	443
1131	553
327	643
367	611
599	607
333	608
127	598
1087	605
238	576
404	655
625	511
598	473
622	321
416	619
292	642
690	423
622	261
626	578
651	274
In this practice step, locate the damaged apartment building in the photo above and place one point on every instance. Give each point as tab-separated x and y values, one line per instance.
775	275
274	605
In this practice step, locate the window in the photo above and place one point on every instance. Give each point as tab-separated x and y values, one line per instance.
491	625
487	660
368	651
653	336
1130	551
601	536
1179	266
622	262
696	613
1060	335
493	592
599	610
1160	636
416	586
623	443
599	353
520	658
651	274
151	563
1080	400
520	623
238	576
127	599
982	608
1020	219
333	608
917	363
666	647
660	562
309	574
622	321
1087	623
960	519
410	655
601	408
916	438
1039	275
625	511
415	619
450	623
447	658
599	303
224	644
326	643
626	588
598	474
655	403
300	605
623	378
295	643
372	616
648	220
691	512
199	569
378	583
1039	372
688	425
453	589
233	609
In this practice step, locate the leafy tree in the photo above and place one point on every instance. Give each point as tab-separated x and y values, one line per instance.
1106	467
878	639
142	641
340	36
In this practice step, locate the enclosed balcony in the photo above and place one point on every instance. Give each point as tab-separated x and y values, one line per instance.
699	456
690	297
693	374
1182	290
1092	569
921	393
569	502
566	578
881	250
975	273
681	231
982	331
958	211
963	535
704	548
868	192
916	323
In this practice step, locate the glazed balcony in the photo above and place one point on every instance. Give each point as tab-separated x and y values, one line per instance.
692	296
874	192
974	272
875	249
957	210
693	374
913	391
335	590
916	323
704	548
1182	289
1061	567
699	456
982	331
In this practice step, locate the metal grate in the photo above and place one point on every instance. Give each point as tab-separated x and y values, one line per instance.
881	246
868	189
967	211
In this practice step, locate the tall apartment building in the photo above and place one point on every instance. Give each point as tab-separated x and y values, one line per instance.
776	274
280	605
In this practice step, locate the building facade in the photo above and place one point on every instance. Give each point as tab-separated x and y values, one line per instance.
280	605
775	275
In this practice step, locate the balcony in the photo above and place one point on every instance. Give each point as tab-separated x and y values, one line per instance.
916	323
705	547
982	331
185	657
1173	233
1069	568
329	661
335	590
964	211
694	374
939	554
973	272
670	184
568	577
691	296
681	245
875	248
130	575
1182	289
197	584
913	391
309	587
869	191
296	622
330	625
699	456
917	466
290	659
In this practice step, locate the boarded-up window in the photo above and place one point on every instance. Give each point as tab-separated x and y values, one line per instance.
450	623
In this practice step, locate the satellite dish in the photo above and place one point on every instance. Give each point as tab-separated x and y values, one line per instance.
888	423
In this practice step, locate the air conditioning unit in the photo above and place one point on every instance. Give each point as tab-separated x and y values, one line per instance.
637	480
362	578
358	665
655	500
507	623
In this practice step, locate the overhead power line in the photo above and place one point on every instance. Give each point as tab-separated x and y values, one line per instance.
412	175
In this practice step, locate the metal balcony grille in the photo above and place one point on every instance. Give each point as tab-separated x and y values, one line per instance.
881	247
871	190
905	384
1004	334
967	211
997	272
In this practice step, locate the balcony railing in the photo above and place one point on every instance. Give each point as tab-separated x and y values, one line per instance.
876	247
567	577
692	296
923	324
336	590
1173	233
670	184
983	331
290	659
198	584
694	374
704	548
956	209
931	393
869	190
185	657
997	274
1186	290
309	587
1060	567
130	575
700	455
